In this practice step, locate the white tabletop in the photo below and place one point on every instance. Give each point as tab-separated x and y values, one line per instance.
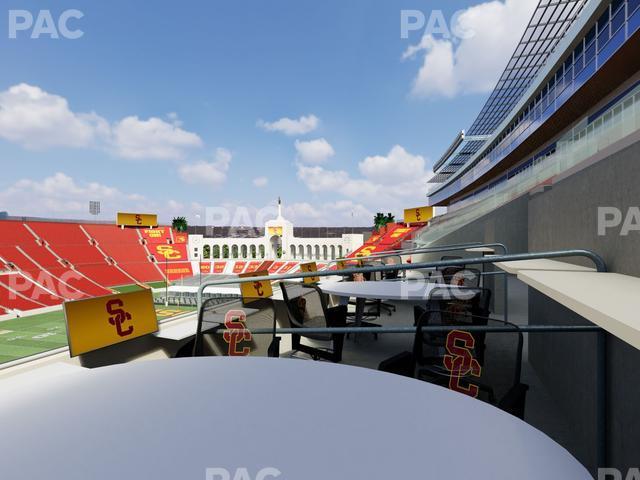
173	419
399	290
541	264
610	300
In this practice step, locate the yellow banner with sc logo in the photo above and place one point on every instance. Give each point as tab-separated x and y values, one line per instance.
137	219
418	215
252	291
102	321
307	268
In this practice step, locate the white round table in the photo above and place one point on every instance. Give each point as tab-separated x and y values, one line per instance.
398	290
174	419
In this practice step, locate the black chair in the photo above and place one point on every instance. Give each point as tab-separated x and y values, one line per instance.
307	307
456	276
461	276
371	309
390	275
493	373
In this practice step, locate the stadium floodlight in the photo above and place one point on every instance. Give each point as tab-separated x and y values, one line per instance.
94	207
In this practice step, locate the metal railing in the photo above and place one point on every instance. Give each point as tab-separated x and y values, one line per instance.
594	257
601	400
421	250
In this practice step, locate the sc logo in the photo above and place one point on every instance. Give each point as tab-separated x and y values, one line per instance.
44	24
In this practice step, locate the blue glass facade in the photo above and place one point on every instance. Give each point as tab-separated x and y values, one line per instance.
619	22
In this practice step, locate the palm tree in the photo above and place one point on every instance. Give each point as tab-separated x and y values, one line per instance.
179	224
381	220
390	218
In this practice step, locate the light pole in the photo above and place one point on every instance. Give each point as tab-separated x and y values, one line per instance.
166	275
196	256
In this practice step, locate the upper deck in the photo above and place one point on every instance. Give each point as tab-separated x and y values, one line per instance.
576	51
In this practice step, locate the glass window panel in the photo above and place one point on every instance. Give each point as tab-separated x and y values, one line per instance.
617	21
615	5
603	38
603	21
568	63
580	48
589	53
579	63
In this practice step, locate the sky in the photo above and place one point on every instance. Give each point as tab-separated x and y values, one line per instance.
213	109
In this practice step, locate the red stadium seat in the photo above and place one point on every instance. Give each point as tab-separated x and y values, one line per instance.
49	262
70	242
10	300
125	248
14	233
38	275
54	261
19	288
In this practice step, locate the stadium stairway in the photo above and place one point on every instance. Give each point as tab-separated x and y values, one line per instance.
125	247
68	242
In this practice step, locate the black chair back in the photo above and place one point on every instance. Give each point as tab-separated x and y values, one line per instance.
306	307
487	367
461	276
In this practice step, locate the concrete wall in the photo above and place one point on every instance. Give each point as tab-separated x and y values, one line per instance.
562	217
566	217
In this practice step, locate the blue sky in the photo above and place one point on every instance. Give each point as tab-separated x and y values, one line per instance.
175	108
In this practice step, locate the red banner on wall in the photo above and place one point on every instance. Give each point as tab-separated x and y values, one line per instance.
266	265
178	270
239	267
180	237
275	266
288	267
253	267
156	235
218	267
205	267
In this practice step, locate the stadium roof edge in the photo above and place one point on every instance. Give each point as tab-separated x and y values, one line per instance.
450	151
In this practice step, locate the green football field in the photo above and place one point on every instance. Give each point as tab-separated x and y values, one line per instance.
134	288
21	337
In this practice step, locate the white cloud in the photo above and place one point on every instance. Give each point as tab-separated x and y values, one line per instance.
60	195
314	151
260	182
338	213
389	182
397	166
36	119
208	173
475	63
152	139
288	126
